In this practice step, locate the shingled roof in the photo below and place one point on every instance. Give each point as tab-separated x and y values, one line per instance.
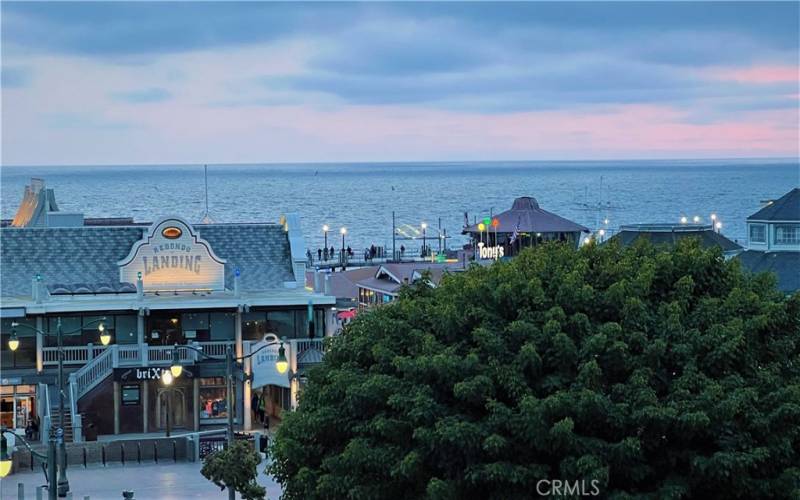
527	217
785	208
785	265
89	255
670	234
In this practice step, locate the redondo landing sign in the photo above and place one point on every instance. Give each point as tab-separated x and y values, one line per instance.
172	256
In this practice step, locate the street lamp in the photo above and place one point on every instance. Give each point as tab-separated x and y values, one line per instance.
50	458
63	482
343	230
281	364
424	227
325	230
684	220
718	226
175	368
696	219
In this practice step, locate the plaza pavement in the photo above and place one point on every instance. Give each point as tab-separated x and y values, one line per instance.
165	481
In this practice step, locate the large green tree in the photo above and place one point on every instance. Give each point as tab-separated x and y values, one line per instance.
659	374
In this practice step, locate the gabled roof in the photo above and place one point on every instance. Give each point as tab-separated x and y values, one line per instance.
389	278
527	217
89	255
785	208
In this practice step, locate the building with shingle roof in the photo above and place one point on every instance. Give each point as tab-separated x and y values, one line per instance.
525	224
670	234
774	241
208	287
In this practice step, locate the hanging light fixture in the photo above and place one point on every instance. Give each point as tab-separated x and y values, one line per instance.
175	368
13	342
105	337
281	364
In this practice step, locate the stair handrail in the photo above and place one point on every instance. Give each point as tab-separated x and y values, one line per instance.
91	374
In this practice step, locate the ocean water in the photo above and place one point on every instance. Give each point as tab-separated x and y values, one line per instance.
362	196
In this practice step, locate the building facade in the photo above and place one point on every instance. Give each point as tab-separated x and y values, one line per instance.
774	241
211	287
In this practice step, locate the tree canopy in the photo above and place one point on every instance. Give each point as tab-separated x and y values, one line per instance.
659	374
236	466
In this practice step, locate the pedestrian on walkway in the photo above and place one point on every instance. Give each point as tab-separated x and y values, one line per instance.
319	254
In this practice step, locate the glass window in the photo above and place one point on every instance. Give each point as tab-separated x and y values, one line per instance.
223	326
72	328
196	327
254	325
126	331
25	355
213	401
758	233
164	328
787	234
281	323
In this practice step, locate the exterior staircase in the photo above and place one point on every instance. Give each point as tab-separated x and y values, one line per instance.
69	434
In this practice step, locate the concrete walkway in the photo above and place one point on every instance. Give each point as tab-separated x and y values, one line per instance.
148	482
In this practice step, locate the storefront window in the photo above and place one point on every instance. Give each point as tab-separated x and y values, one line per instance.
254	325
18	407
223	325
25	355
126	331
195	327
213	402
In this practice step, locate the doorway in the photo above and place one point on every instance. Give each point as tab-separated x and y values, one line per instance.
177	404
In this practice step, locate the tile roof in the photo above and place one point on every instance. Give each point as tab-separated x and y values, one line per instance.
785	208
89	255
526	215
785	265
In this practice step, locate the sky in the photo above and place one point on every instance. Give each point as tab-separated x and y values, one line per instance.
202	82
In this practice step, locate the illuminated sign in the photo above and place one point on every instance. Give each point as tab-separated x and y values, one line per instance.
172	256
263	365
486	252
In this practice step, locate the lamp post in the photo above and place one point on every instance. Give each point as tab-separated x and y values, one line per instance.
343	230
325	230
424	227
63	482
50	458
281	364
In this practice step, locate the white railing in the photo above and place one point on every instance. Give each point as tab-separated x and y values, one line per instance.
72	355
93	373
130	355
162	355
218	348
303	345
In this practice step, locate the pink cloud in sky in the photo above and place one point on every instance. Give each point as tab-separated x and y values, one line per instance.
762	74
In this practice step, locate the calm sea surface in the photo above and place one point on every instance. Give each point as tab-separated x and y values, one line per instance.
362	196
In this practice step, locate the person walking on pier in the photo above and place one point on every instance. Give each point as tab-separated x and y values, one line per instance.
319	254
332	252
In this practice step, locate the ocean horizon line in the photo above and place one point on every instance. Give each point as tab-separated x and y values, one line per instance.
367	163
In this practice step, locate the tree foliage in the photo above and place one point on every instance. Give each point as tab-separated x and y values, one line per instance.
660	374
236	466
